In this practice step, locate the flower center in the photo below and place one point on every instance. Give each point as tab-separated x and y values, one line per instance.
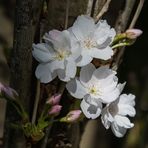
89	43
95	91
62	54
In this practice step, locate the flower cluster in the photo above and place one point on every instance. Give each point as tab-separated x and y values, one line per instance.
64	51
100	86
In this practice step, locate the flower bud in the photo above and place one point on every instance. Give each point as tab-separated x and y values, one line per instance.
55	110
72	116
55	99
7	91
133	33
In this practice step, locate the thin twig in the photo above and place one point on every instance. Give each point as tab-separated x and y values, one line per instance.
36	102
137	13
89	7
103	10
67	14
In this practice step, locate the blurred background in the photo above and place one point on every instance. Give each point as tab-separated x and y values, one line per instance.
133	70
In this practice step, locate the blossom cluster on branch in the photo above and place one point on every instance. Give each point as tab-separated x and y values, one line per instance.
63	51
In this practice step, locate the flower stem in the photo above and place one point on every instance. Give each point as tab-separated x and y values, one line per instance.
36	102
119	37
121	45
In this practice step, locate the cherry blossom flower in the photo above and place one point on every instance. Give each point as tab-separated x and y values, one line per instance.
56	57
94	39
114	114
95	86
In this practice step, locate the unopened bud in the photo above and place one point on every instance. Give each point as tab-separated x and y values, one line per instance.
133	33
55	110
7	91
72	116
55	99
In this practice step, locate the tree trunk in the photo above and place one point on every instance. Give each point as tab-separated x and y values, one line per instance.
26	18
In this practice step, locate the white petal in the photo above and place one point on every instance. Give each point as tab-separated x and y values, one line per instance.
76	89
106	118
42	52
70	67
86	73
109	84
123	121
117	130
83	27
44	74
103	31
121	86
51	37
127	99
103	54
126	110
56	64
59	39
62	75
105	121
84	59
103	73
75	53
90	110
110	97
75	46
66	41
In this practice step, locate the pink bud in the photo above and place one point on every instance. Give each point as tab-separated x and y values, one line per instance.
9	92
55	110
55	99
133	33
73	115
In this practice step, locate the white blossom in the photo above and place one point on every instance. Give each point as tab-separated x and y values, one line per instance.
114	114
95	86
91	107
94	39
56	57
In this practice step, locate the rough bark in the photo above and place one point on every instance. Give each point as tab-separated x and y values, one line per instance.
26	17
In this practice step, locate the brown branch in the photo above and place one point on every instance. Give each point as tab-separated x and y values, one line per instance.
103	10
89	7
124	16
137	13
67	15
